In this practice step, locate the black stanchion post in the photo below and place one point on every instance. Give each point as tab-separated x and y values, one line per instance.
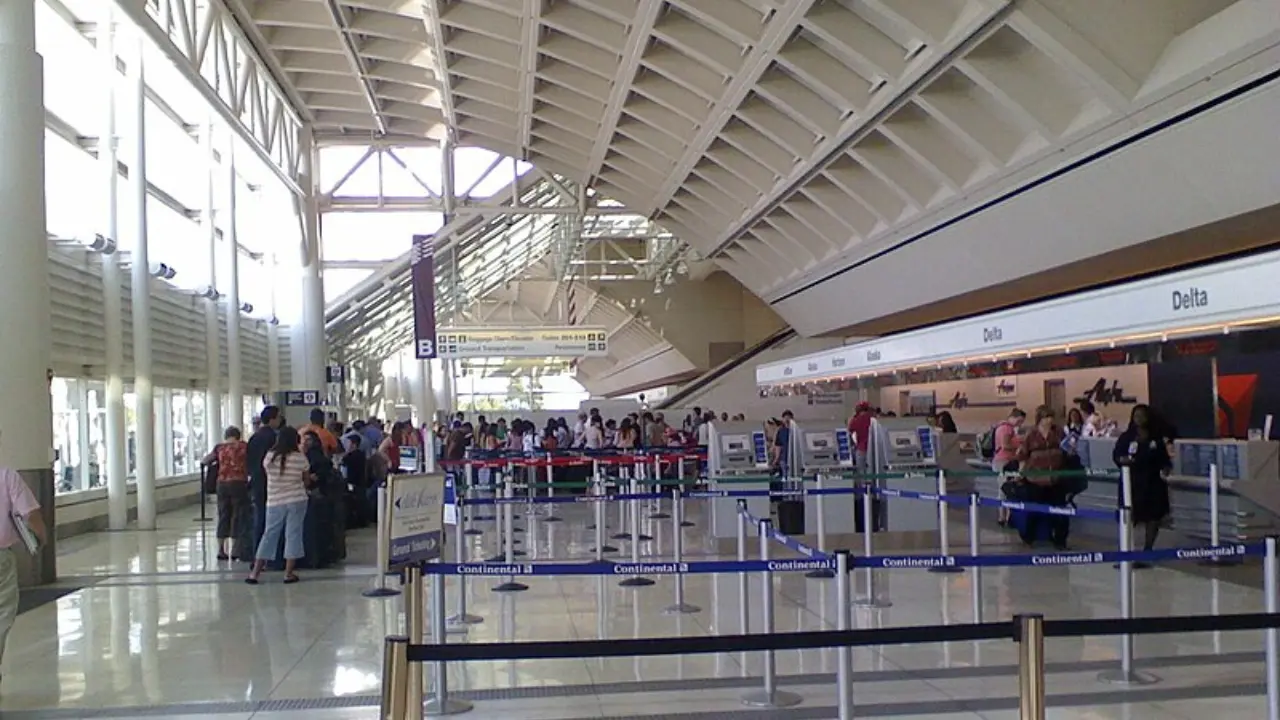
1031	666
769	696
204	495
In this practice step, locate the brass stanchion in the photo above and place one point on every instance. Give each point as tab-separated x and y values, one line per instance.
1031	667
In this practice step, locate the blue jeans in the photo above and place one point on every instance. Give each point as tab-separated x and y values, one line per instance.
287	519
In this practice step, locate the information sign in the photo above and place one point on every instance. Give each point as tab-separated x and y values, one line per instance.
571	341
415	517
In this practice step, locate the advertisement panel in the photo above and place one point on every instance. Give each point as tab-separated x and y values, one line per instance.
423	285
415	517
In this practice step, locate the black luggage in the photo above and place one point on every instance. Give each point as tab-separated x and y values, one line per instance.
791	517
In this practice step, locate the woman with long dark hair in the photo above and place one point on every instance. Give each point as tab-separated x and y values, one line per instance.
287	478
1144	449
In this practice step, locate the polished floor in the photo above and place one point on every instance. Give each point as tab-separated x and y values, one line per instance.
160	629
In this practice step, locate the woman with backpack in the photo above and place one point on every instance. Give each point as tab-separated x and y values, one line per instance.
1002	442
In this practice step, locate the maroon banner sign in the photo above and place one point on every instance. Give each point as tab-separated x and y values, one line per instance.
423	283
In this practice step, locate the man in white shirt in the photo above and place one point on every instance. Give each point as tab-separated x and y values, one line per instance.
16	501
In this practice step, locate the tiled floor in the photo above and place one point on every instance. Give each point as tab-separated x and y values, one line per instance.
163	624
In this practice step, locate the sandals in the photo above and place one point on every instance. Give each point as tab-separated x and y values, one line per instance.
291	579
251	580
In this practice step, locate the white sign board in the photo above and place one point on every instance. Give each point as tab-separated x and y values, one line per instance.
415	518
1203	298
571	342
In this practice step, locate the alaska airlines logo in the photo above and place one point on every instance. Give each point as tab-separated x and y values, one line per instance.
1191	299
1102	394
1005	387
958	401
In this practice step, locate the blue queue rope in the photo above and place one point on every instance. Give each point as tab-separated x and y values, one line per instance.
1104	557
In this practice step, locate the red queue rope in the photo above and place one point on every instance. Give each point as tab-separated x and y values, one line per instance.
576	461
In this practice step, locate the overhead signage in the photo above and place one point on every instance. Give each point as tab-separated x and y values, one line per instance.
335	374
415	510
422	281
1205	297
574	341
301	398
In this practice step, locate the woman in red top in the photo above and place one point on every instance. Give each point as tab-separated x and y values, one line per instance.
233	492
1039	455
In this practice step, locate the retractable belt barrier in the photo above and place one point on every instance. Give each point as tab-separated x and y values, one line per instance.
405	698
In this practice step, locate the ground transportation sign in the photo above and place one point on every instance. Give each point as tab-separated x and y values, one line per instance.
570	341
415	516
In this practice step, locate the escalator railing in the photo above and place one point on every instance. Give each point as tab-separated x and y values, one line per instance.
706	379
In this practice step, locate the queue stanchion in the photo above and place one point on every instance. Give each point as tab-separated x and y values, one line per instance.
820	573
623	532
944	527
395	677
975	502
844	621
413	619
637	532
510	585
744	614
1030	666
871	599
1125	674
462	618
440	704
384	548
598	489
1271	585
680	484
1215	520
636	539
551	491
658	513
768	696
510	480
680	607
473	480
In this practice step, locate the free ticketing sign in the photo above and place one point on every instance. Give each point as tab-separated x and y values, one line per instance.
415	517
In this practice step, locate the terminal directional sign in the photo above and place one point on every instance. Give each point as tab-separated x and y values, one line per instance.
569	341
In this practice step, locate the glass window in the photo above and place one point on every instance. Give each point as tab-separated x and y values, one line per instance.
71	177
131	434
199	436
66	435
172	154
373	236
97	394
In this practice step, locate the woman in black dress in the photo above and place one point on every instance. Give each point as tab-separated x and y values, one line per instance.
1144	448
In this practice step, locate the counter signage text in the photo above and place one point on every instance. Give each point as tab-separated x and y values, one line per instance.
992	334
1190	299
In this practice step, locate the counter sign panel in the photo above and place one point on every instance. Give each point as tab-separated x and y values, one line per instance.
415	514
571	341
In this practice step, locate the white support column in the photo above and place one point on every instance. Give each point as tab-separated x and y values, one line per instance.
26	427
314	345
231	246
213	353
426	395
145	473
115	470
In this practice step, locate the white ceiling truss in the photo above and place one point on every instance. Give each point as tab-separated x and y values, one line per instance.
509	258
775	136
209	47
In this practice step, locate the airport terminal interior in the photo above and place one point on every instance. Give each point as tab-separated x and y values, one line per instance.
696	359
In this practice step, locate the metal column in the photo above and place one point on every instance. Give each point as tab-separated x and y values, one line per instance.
230	237
144	438
115	470
26	354
213	355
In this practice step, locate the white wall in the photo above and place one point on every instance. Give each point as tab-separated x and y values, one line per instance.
1213	166
986	406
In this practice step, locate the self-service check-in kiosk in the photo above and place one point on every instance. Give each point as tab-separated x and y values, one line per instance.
909	446
828	455
736	452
